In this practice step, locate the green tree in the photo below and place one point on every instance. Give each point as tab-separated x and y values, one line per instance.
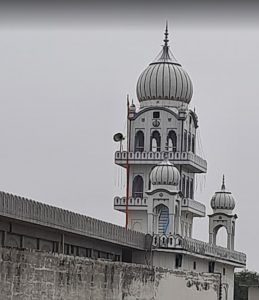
244	279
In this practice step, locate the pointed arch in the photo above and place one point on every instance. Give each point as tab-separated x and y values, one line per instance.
139	141
172	141
221	236
155	141
137	187
162	213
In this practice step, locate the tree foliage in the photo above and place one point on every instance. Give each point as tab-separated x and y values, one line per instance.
242	281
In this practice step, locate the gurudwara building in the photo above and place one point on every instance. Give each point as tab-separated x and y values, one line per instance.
52	253
162	165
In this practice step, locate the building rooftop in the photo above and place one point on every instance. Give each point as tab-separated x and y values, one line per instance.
26	210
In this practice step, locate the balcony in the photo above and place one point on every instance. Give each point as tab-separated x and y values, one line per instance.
192	162
195	207
178	243
133	203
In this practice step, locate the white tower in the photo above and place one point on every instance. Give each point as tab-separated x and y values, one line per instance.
222	204
163	124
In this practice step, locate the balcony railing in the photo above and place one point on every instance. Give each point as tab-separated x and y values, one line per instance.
195	162
120	202
198	247
193	206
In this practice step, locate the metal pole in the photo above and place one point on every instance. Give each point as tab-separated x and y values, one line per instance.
127	163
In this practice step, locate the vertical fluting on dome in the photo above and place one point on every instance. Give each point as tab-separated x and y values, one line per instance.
164	80
223	199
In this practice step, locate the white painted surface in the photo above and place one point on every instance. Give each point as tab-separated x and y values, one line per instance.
253	293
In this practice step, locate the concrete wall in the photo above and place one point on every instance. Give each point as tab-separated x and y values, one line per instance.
200	265
253	293
45	276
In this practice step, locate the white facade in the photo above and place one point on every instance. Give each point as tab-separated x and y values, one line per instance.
253	293
162	165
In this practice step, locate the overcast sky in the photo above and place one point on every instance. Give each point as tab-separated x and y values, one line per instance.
65	74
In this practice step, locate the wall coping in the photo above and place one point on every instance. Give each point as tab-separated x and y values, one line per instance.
31	211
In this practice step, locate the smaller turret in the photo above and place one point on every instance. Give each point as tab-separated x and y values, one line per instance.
222	201
222	204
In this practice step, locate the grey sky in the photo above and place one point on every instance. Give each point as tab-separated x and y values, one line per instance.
63	96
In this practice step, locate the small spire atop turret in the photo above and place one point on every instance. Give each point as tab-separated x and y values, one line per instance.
223	187
166	40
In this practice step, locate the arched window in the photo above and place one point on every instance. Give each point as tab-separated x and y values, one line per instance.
137	187
155	144
185	141
221	236
162	213
187	188
193	143
189	141
139	141
172	141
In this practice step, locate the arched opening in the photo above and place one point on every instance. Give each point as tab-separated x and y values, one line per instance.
137	187
139	141
155	143
162	216
221	236
172	141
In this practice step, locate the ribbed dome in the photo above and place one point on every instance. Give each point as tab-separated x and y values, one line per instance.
223	199
165	174
165	79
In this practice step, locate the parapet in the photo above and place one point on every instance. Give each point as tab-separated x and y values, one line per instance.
26	210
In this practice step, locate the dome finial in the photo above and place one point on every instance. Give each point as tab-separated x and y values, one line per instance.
223	187
166	40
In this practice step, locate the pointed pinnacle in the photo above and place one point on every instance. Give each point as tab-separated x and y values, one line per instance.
166	40
223	187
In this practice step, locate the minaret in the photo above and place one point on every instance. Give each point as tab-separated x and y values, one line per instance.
163	124
222	204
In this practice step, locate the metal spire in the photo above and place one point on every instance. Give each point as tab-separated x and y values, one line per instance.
166	40
165	52
223	187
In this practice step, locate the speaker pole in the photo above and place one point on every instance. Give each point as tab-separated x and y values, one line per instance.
127	163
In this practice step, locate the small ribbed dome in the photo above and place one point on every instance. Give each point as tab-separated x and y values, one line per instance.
223	199
165	174
165	79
